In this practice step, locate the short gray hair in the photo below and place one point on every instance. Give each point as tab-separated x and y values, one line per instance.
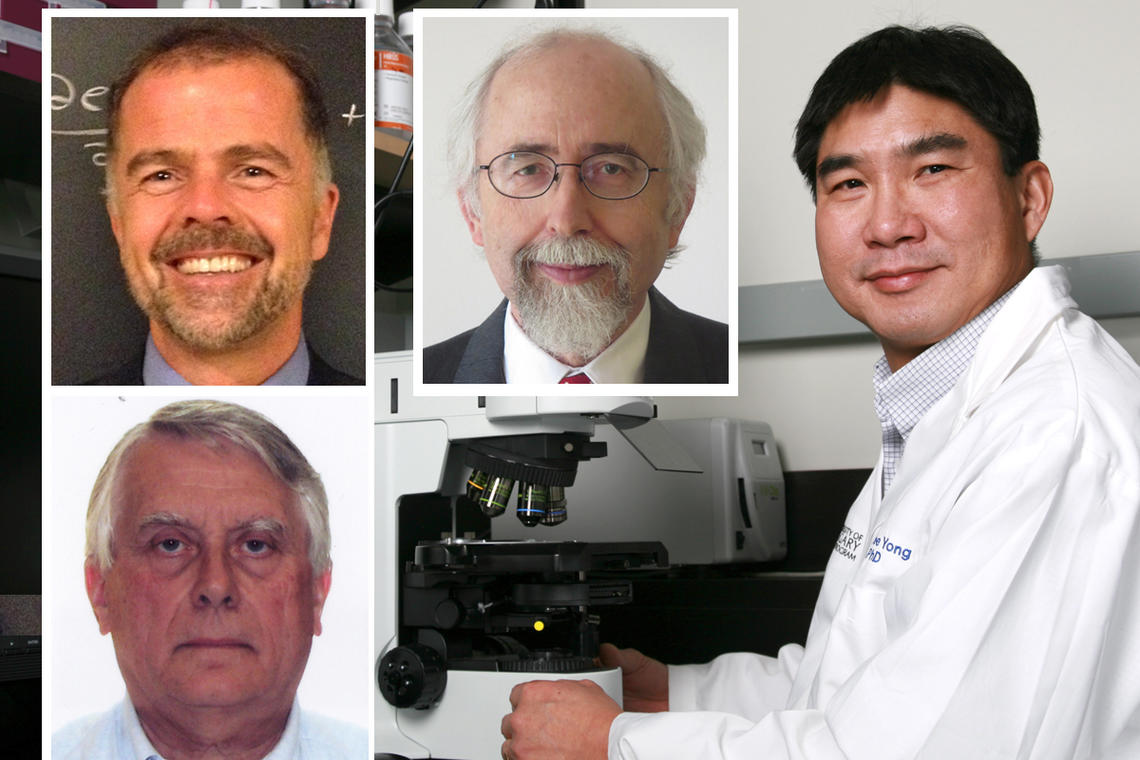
213	423
684	130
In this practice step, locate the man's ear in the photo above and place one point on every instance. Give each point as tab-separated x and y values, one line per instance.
677	223
321	585
322	222
474	223
96	581
1036	196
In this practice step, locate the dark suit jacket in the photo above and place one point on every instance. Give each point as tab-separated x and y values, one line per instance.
320	373
683	348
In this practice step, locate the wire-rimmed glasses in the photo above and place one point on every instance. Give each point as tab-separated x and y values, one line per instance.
526	174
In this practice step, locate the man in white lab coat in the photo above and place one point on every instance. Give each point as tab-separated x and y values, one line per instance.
984	596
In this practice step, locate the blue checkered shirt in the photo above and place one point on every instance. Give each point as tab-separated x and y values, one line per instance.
903	398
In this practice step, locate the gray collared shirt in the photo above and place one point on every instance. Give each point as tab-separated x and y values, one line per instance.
903	398
156	371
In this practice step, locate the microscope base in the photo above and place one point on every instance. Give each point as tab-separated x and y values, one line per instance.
464	725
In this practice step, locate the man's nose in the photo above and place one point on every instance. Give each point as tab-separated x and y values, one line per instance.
215	586
206	200
892	219
571	205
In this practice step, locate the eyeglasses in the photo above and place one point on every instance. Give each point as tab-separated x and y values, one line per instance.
612	176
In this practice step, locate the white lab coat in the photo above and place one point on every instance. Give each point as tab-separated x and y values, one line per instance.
989	607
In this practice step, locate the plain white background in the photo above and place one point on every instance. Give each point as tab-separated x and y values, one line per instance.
334	434
456	289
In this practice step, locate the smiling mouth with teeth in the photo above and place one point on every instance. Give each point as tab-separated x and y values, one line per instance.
214	264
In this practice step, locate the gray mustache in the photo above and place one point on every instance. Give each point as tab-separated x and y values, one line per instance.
580	252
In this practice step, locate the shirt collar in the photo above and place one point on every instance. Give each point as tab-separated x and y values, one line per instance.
156	371
132	736
904	397
623	361
289	745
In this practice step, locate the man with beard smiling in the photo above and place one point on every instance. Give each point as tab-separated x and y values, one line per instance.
576	160
220	197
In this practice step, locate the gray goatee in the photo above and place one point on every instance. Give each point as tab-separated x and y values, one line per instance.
572	322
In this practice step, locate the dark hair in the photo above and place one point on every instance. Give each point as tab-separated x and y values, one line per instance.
957	63
217	41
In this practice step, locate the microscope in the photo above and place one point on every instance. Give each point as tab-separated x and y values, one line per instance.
460	618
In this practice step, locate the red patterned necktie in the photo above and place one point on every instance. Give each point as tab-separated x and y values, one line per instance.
580	378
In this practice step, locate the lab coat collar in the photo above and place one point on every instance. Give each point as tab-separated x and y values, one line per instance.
1032	306
1037	302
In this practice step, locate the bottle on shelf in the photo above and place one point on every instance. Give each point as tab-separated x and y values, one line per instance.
392	60
405	26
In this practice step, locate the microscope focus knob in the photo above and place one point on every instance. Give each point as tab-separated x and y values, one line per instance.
412	676
448	614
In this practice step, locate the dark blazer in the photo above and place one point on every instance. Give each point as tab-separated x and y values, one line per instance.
320	373
683	348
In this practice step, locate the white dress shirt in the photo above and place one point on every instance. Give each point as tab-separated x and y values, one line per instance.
118	735
623	361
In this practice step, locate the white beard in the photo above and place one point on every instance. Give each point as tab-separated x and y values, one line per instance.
572	322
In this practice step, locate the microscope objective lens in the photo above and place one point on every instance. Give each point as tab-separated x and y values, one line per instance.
496	495
531	504
476	484
556	506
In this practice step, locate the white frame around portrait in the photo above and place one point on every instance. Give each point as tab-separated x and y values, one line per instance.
335	434
454	290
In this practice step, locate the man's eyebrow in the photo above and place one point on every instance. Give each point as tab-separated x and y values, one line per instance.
152	157
589	149
265	524
917	147
529	147
170	519
836	163
932	143
605	147
233	154
164	519
257	152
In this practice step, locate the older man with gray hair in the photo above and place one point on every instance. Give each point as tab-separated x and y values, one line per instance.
575	161
208	563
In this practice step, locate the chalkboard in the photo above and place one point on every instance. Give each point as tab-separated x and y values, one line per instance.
95	325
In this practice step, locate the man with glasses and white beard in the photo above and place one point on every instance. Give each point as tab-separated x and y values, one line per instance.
575	161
